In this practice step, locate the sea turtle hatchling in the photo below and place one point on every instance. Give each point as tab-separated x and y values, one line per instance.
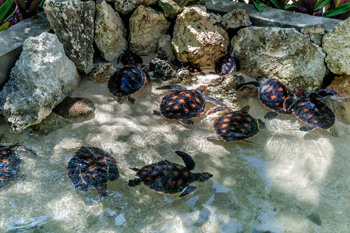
168	177
126	81
310	110
91	166
226	65
235	125
272	94
184	104
128	57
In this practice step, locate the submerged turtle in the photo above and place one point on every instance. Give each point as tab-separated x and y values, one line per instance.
10	162
310	110
235	125
226	65
272	93
168	177
183	104
91	166
126	81
128	57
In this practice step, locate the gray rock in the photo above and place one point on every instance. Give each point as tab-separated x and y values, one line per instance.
282	53
73	23
162	69
164	49
42	77
183	3
170	8
50	124
126	6
236	19
314	32
147	26
197	39
74	107
110	33
336	44
102	72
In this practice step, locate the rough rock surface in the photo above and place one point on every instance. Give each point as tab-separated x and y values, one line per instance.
102	72
73	23
164	49
147	26
50	124
42	77
183	3
282	53
110	33
170	8
197	39
236	19
314	32
74	107
126	6
336	44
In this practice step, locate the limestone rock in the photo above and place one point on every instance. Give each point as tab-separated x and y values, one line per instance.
73	23
236	19
110	33
126	6
147	26
50	124
42	77
183	3
74	107
164	49
314	32
197	39
170	8
102	72
282	53
336	44
162	68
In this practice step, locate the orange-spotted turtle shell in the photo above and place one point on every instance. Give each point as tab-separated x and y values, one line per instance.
91	166
130	58
226	65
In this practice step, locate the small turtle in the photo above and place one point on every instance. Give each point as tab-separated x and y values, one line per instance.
188	66
235	125
10	162
183	104
226	65
310	110
126	81
91	166
272	93
128	57
168	177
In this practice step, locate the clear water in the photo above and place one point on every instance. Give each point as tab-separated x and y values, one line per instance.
284	181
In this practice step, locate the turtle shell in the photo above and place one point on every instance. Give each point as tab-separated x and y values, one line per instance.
226	65
313	112
235	126
126	81
130	58
165	177
182	104
10	165
272	94
91	166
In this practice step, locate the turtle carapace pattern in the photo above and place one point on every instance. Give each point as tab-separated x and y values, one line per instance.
128	57
310	110
91	166
226	65
168	177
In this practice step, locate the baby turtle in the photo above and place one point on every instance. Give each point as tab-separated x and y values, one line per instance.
128	57
310	110
10	162
91	166
188	66
272	93
235	125
183	104
168	177
126	81
226	65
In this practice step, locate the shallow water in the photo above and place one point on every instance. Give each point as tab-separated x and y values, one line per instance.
284	181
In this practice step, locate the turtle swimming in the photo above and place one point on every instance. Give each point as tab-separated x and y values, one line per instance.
184	104
235	125
310	110
91	166
272	94
168	177
126	81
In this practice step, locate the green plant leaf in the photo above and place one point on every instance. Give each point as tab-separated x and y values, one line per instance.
277	4
321	3
258	6
4	26
4	8
338	10
296	4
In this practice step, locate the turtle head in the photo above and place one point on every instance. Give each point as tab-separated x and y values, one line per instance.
201	89
261	79
245	108
203	176
299	92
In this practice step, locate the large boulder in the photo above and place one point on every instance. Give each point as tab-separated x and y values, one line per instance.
73	23
282	53
42	77
170	8
236	19
336	44
127	6
197	38
147	26
110	33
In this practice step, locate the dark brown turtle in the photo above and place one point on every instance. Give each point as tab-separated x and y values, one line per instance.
310	110
226	65
10	162
128	57
184	104
126	81
91	166
168	177
188	66
235	125
272	94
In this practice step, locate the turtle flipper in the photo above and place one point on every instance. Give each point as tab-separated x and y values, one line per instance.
322	93
270	115
217	109
212	100
155	112
102	189
189	190
18	147
261	124
132	100
213	137
186	122
189	162
307	128
171	87
256	84
134	182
